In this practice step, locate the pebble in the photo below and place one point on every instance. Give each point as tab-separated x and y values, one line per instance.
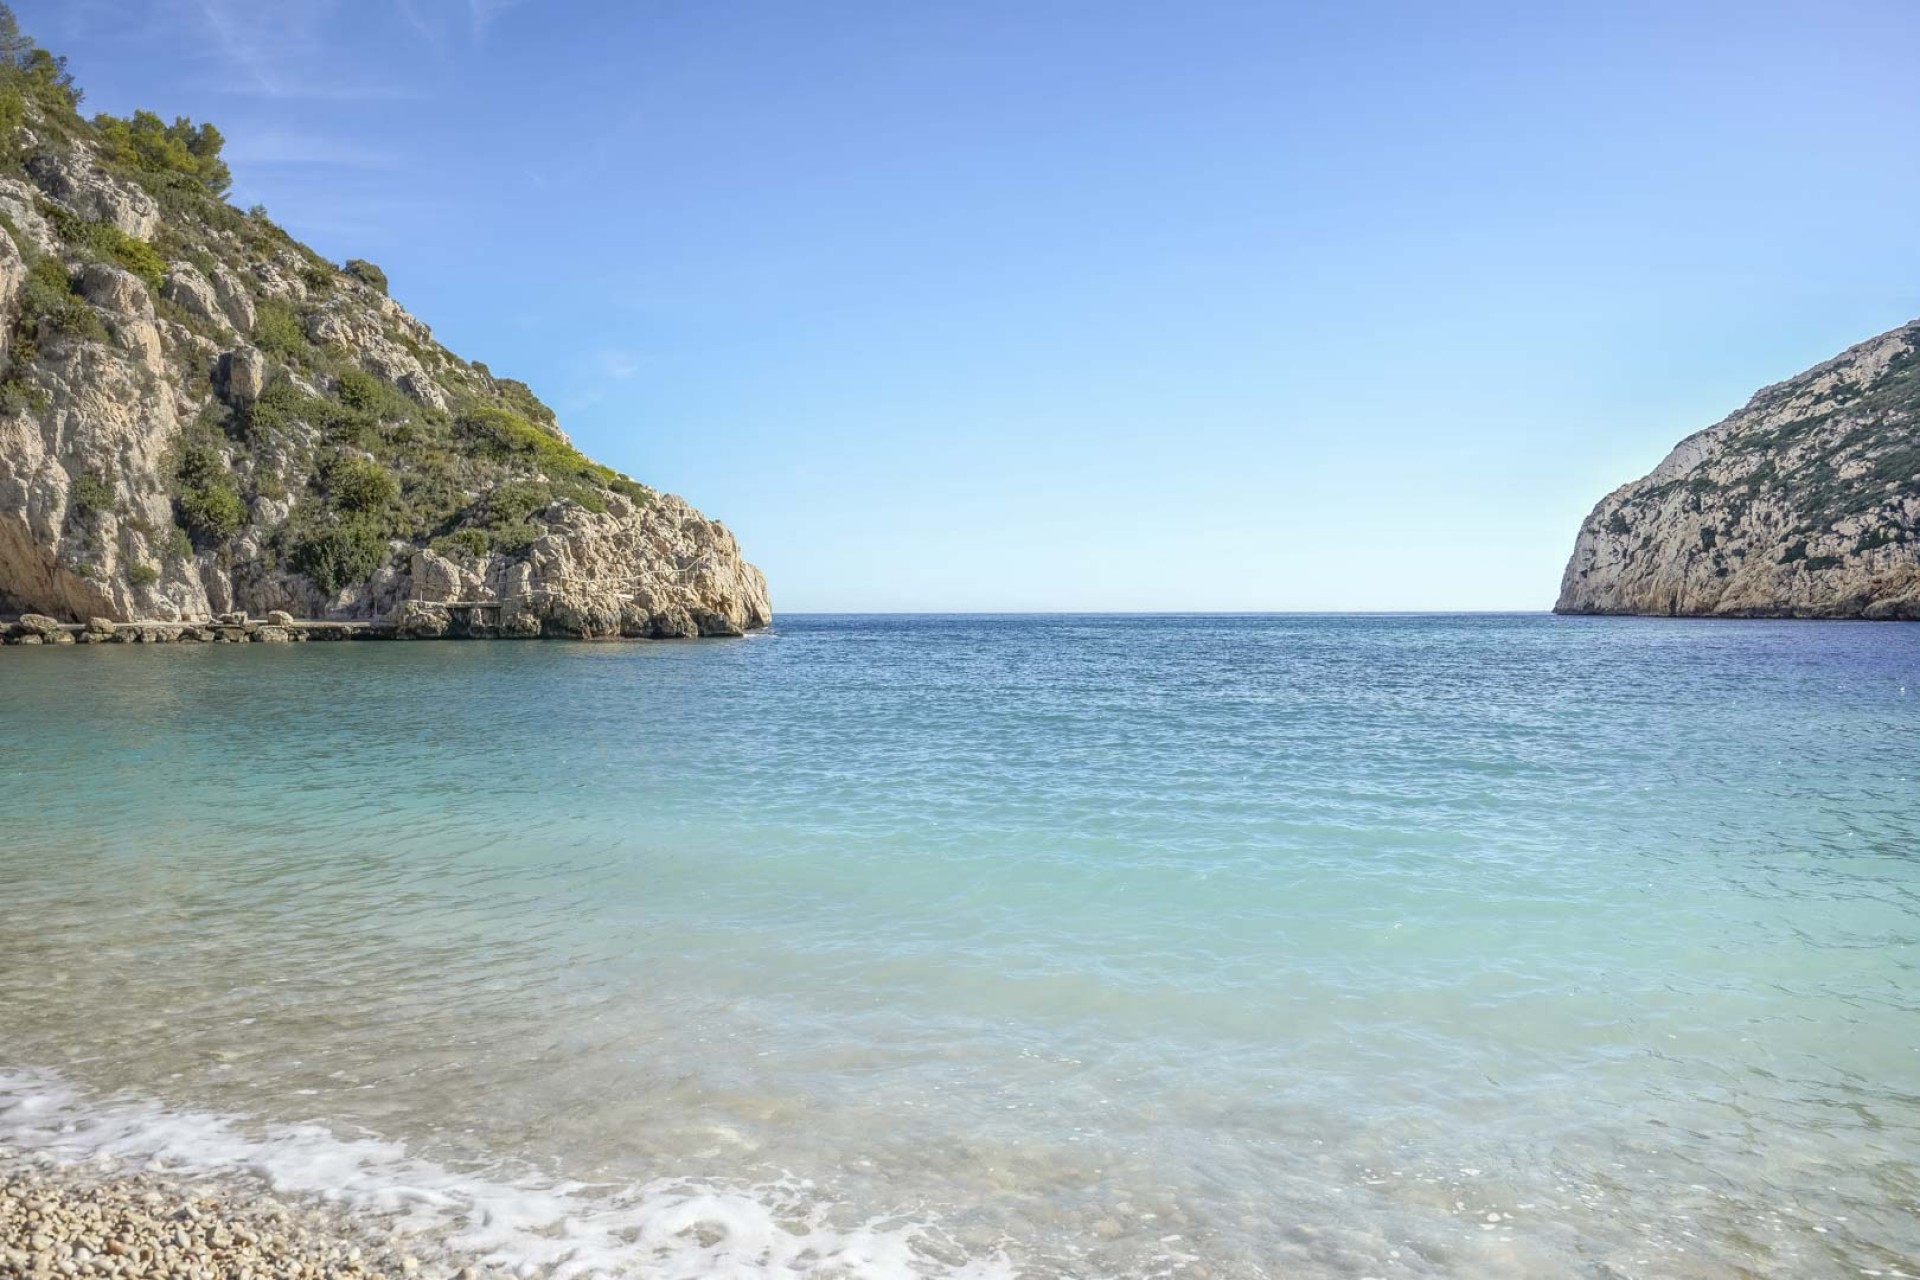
80	1223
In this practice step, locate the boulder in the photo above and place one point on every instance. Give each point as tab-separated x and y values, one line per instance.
115	290
674	623
187	289
235	301
101	626
415	620
13	275
518	621
279	618
36	624
272	635
436	579
242	375
90	192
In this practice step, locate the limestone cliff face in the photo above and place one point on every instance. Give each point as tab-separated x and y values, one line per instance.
200	415
1805	503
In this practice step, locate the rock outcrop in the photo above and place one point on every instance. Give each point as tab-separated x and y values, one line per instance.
201	416
1805	504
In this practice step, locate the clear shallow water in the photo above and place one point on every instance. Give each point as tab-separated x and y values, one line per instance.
1095	947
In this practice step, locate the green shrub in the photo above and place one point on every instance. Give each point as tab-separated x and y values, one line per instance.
340	556
179	544
375	401
136	255
586	495
146	144
104	242
512	501
520	398
366	273
73	318
514	539
204	496
13	114
91	494
631	488
503	435
278	332
281	405
68	225
359	484
29	73
434	488
214	513
142	575
359	389
18	395
469	542
48	297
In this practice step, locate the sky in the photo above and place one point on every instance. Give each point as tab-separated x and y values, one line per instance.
1014	305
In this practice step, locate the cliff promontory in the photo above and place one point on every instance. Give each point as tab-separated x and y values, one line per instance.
199	415
1805	504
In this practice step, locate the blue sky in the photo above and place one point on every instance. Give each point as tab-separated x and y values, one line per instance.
1074	305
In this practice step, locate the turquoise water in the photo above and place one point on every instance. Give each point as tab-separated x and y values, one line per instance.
1285	946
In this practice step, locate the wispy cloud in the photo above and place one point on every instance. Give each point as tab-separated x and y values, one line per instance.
278	50
618	365
310	150
415	17
481	15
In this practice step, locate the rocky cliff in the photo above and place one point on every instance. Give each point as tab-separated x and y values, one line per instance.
200	415
1805	503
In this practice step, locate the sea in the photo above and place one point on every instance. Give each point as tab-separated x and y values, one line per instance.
977	947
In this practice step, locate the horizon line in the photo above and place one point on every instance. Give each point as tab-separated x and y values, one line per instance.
1162	613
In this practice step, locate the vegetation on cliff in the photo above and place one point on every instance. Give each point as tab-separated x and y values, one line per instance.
1804	503
234	416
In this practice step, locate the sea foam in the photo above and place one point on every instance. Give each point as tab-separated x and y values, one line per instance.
668	1228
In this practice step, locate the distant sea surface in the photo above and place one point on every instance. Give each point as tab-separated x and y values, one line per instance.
1479	946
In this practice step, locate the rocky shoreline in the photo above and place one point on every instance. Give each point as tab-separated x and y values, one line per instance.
66	1221
413	621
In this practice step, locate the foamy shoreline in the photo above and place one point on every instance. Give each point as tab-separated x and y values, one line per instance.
62	1146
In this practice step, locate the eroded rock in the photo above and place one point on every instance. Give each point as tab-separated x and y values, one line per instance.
1805	503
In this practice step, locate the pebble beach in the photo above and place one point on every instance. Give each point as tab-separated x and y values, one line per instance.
59	1220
